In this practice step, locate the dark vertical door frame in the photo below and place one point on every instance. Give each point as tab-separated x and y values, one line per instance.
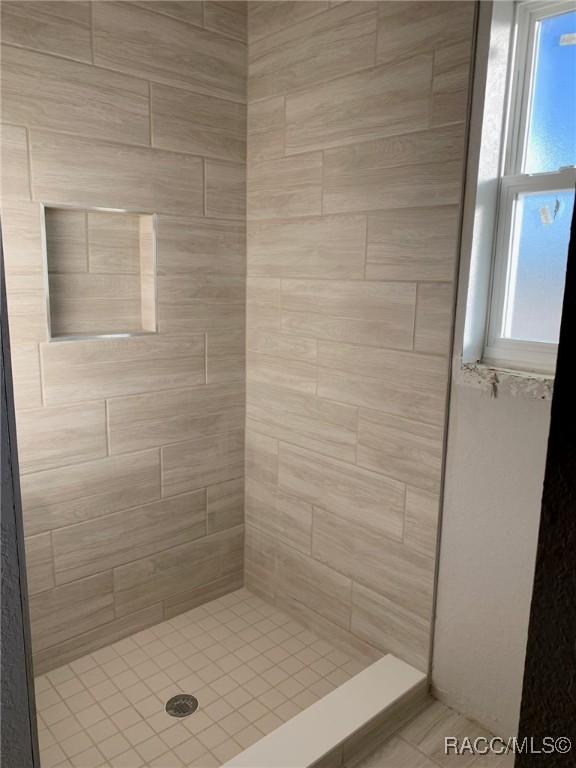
19	737
549	692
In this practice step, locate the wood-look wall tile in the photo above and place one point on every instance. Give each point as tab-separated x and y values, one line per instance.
46	92
177	570
266	18
450	84
314	50
399	383
377	102
434	312
413	170
406	450
226	359
421	524
186	601
265	137
201	125
70	169
303	581
413	244
94	304
183	10
59	614
198	246
54	437
158	418
225	185
125	366
404	576
423	26
291	186
39	563
66	240
195	464
22	237
26	299
263	291
225	505
26	376
390	626
279	515
260	563
292	374
364	498
86	642
127	38
86	548
311	247
228	18
15	171
73	494
305	420
389	306
280	345
201	302
114	243
261	455
202	316
62	28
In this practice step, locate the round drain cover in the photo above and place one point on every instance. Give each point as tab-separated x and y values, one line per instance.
182	705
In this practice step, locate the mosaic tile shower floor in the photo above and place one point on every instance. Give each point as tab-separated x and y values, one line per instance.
251	666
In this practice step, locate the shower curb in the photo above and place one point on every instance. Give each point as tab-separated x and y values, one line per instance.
346	723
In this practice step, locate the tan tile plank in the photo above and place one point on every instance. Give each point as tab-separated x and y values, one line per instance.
184	10
39	563
311	247
225	190
451	83
58	614
360	496
434	312
377	102
406	450
279	515
316	49
404	576
54	437
62	28
109	541
71	169
228	18
265	138
124	366
261	455
79	492
177	570
128	38
225	505
15	170
48	92
201	125
206	461
266	18
400	383
292	374
422	519
26	376
286	187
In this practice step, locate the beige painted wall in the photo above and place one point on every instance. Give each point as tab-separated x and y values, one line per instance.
355	161
131	449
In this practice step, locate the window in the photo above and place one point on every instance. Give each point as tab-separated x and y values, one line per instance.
535	195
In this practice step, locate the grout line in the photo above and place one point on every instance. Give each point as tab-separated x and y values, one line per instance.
107	424
41	373
92	31
151	121
29	162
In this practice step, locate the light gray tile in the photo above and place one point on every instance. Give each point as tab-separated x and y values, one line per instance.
109	541
225	505
48	92
79	492
360	496
126	36
70	169
206	461
201	125
54	437
279	515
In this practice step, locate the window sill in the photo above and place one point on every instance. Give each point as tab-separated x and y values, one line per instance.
497	381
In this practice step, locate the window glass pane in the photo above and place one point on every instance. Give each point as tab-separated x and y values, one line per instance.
552	120
541	231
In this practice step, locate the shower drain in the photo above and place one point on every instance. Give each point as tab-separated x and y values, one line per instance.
181	705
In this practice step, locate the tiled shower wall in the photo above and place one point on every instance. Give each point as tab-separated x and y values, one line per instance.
356	138
131	449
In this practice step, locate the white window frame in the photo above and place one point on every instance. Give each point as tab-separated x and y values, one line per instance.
500	351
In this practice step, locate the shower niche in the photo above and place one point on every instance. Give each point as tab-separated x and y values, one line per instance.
100	268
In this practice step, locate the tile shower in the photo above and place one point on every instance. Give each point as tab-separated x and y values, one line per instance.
250	493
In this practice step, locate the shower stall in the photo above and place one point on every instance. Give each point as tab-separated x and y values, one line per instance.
230	233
